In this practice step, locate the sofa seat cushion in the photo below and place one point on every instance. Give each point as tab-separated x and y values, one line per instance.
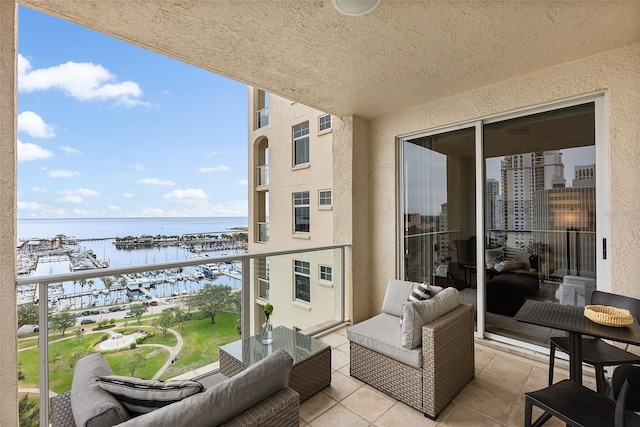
383	335
141	396
416	314
226	399
91	405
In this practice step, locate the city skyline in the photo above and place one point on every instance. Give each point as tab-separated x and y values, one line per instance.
107	129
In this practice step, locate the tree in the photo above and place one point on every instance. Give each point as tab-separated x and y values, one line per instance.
108	283
79	333
165	320
138	310
27	314
212	300
62	321
135	361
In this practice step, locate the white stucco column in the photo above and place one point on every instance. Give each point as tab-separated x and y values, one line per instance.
8	319
351	211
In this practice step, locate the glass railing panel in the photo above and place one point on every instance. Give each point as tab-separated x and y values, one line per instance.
263	175
263	232
262	117
306	289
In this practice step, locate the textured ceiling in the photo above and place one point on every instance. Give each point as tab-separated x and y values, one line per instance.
403	54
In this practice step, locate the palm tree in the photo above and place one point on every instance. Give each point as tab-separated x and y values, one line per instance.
90	282
83	283
123	285
108	283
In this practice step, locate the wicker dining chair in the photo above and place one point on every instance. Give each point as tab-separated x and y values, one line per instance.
595	351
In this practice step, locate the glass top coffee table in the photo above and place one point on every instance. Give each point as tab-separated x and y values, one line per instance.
311	369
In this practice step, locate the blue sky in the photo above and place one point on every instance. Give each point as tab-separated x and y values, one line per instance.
107	129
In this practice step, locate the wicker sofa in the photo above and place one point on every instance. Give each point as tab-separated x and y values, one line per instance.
428	376
259	396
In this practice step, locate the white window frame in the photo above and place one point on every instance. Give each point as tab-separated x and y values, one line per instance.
325	273
323	197
300	133
301	269
322	121
299	203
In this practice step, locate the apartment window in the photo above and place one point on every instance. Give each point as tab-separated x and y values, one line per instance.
301	143
324	123
302	279
326	273
324	198
301	212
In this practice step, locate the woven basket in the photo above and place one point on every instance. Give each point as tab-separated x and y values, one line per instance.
608	316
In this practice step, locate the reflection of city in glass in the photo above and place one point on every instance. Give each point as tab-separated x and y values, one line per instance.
533	206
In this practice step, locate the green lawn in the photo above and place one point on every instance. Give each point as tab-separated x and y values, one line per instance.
201	342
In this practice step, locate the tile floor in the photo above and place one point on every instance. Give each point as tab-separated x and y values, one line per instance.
493	398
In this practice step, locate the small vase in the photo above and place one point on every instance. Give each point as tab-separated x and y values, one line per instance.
267	332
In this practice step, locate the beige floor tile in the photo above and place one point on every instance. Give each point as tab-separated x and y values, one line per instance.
368	403
403	415
317	404
338	359
339	416
345	348
494	406
341	386
459	416
505	374
334	339
482	358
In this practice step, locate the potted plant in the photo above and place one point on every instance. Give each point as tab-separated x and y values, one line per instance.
539	252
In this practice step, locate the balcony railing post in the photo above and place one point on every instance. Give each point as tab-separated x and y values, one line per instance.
246	297
43	353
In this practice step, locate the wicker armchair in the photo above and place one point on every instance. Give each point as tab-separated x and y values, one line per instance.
438	370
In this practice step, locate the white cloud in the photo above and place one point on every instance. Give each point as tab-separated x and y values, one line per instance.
39	189
243	182
84	192
81	212
83	81
31	123
70	150
62	173
28	152
220	168
156	181
114	208
127	195
139	167
71	199
189	194
30	205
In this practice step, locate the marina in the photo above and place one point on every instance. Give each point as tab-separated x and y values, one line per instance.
46	256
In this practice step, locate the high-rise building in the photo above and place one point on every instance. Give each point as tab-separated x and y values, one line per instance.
291	206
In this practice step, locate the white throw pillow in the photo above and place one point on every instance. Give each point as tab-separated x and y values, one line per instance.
417	314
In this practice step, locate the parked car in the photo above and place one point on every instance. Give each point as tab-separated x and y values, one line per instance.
128	315
87	321
94	312
86	313
153	302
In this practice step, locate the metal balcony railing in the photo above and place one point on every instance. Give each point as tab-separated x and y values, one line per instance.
329	312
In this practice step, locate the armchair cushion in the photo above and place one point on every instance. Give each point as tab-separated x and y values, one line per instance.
91	405
417	314
381	334
398	292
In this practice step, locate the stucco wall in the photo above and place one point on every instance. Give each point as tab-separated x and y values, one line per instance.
8	320
617	72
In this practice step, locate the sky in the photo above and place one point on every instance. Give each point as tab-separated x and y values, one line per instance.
108	129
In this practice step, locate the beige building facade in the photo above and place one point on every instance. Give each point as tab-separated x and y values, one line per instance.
381	82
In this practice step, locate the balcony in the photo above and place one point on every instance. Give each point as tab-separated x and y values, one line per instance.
263	232
262	175
113	310
262	117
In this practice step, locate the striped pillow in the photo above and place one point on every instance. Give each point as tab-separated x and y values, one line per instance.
420	293
143	396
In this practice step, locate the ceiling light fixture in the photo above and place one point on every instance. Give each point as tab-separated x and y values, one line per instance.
355	7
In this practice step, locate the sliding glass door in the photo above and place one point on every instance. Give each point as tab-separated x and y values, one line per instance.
540	231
